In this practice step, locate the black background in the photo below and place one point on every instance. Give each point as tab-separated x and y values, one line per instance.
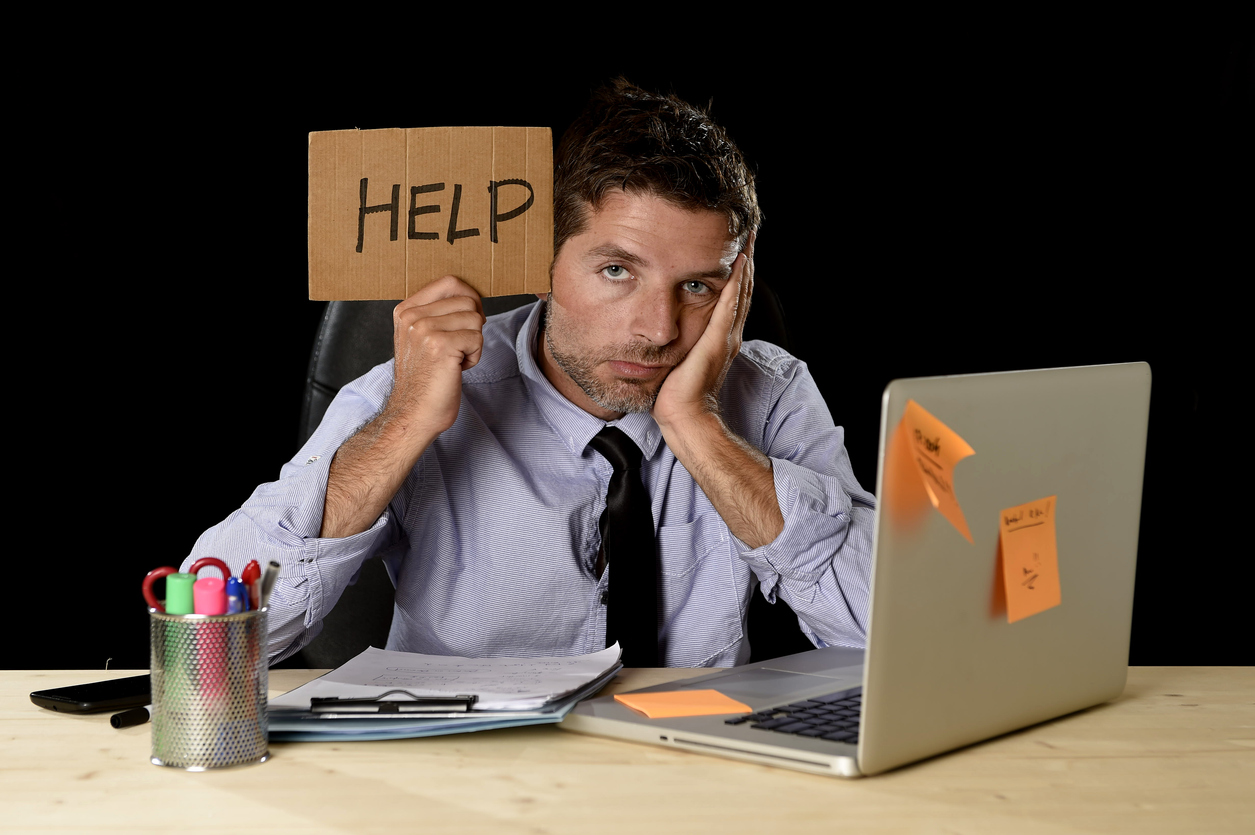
940	198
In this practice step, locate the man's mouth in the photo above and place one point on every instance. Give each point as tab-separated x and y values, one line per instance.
636	370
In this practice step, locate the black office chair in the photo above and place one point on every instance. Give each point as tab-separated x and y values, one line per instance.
354	337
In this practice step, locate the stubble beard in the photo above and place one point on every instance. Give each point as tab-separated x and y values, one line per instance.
619	395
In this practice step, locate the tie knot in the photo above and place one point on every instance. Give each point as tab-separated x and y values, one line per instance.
618	448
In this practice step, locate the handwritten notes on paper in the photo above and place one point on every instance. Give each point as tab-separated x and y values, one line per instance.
924	452
681	703
500	683
1030	561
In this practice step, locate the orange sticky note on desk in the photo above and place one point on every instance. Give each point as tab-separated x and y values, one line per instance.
1030	559
681	703
936	449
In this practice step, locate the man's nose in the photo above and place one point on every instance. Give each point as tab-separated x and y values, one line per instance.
656	316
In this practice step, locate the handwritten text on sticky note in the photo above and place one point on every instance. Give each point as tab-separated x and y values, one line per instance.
1030	560
936	449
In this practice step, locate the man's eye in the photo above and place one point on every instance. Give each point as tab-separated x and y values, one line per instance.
697	288
615	271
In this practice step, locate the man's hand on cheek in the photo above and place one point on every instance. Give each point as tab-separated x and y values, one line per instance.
692	387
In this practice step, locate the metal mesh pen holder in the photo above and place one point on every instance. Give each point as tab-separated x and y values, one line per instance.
209	682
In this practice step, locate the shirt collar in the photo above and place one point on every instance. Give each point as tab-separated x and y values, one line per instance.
574	426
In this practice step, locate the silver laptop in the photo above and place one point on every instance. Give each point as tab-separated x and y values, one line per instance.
943	667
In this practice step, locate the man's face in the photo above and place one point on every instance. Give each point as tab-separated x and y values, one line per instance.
632	294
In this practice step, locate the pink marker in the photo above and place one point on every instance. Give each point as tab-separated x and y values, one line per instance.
209	596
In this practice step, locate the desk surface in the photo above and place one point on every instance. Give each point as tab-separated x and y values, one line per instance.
1175	753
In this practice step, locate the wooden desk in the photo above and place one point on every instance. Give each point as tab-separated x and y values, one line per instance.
1176	753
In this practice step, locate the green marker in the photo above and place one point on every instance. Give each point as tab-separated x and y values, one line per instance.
179	593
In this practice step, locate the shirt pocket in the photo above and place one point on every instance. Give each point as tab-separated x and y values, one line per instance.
701	590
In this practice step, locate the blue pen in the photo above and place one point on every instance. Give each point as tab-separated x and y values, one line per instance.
237	600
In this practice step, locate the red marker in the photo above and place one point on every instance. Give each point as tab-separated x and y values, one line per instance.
250	576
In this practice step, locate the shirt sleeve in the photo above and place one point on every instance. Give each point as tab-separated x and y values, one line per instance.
821	562
281	521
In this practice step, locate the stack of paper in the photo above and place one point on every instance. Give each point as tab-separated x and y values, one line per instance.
508	691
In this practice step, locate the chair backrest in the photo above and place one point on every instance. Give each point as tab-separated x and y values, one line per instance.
353	338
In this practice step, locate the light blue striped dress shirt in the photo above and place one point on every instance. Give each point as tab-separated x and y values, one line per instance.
493	538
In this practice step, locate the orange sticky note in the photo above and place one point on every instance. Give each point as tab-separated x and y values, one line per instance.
1030	560
902	492
681	703
936	449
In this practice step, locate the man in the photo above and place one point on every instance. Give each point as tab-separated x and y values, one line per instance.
476	463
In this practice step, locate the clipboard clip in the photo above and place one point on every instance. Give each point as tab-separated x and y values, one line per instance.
380	705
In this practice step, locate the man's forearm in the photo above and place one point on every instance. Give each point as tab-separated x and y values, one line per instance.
437	334
735	476
368	470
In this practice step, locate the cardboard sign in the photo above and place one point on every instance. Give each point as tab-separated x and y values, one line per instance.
681	703
393	210
936	449
1030	559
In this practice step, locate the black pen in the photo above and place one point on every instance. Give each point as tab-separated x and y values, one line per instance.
134	716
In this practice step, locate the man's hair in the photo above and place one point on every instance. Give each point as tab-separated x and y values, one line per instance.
644	143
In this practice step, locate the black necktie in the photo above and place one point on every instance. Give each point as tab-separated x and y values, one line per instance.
627	542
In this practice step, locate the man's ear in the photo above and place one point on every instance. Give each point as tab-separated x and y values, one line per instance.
544	297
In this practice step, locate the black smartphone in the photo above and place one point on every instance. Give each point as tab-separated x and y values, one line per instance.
97	696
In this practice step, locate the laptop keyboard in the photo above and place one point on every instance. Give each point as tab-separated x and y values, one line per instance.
834	717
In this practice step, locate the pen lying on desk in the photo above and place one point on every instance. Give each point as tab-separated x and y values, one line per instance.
134	716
